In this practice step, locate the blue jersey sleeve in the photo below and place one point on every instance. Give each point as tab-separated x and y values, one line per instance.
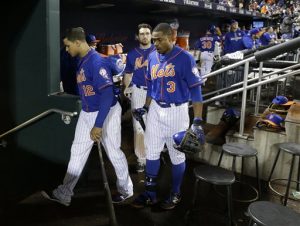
104	87
106	99
248	42
191	73
101	75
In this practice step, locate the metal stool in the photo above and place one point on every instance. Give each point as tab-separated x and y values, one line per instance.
216	176
294	149
243	151
264	213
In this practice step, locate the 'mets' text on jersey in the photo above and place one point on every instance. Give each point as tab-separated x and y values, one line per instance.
171	75
93	75
137	63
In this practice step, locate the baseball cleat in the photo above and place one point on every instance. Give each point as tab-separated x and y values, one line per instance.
171	202
50	196
140	167
119	198
143	200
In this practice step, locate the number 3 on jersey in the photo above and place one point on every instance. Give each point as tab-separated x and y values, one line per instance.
172	86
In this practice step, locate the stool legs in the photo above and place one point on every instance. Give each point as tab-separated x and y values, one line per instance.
229	204
221	156
250	222
195	193
257	177
298	179
274	164
289	182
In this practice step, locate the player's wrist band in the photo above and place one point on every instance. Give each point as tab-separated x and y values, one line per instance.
197	121
146	108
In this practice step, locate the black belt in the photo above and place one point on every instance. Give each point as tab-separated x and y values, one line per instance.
168	105
141	87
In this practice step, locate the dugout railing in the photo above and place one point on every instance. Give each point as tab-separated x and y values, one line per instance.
65	117
259	58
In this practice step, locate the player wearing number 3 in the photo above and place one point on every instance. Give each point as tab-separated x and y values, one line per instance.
99	120
172	79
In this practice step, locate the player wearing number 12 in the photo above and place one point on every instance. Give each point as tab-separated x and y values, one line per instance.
99	120
172	78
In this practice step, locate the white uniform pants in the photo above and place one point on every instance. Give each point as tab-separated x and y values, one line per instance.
207	60
162	124
81	148
137	101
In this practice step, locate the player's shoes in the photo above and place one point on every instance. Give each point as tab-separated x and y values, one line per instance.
140	167
171	202
143	200
119	198
50	196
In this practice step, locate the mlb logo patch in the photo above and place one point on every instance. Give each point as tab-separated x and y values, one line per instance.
103	73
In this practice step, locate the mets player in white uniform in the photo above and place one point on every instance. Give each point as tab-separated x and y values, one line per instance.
172	79
136	87
207	45
99	120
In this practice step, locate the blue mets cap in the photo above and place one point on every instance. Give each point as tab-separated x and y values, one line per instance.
274	119
177	137
282	100
254	31
91	39
233	21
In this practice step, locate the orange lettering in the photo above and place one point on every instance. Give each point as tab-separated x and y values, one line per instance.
172	86
88	90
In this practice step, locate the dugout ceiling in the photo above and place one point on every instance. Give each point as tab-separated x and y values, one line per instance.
188	8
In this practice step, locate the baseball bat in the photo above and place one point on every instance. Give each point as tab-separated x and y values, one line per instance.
142	123
112	218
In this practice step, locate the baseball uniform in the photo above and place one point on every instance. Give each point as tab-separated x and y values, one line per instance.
137	63
94	79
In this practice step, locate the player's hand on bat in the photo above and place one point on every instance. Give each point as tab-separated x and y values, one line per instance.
128	92
96	134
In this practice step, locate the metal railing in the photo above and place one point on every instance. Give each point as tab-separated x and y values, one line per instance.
66	117
260	56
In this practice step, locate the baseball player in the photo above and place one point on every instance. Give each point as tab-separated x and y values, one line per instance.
207	45
252	41
92	41
99	119
172	79
267	37
135	83
233	39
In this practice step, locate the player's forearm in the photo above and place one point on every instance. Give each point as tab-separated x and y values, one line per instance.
197	108
196	96
106	99
127	79
148	101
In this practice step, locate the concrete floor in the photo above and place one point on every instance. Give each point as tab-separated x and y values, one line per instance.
89	207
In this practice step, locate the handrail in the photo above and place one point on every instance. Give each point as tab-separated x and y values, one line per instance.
251	80
66	116
251	86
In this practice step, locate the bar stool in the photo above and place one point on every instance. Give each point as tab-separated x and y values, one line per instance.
243	151
290	148
265	213
216	176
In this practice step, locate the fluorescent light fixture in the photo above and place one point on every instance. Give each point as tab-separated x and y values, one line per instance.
99	6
